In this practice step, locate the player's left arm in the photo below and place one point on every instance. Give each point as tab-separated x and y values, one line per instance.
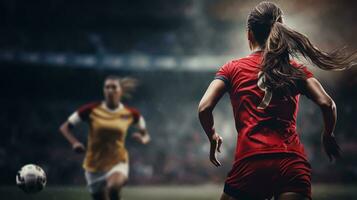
208	102
141	135
314	91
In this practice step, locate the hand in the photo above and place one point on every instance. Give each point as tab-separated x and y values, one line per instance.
216	142
331	148
78	147
137	137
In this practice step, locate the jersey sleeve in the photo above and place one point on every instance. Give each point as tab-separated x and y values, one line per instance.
224	74
138	119
82	114
74	119
307	72
304	69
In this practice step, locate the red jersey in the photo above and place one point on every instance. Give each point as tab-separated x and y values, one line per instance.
266	123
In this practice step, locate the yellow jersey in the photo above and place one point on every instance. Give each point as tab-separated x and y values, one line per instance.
107	133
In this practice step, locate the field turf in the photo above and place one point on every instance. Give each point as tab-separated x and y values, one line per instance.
200	192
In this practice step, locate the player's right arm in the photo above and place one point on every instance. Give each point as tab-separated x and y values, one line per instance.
208	102
66	130
315	92
213	94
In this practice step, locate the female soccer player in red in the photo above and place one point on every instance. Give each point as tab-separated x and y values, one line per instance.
106	159
264	90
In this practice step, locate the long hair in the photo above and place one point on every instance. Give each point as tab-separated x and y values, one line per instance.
280	43
127	84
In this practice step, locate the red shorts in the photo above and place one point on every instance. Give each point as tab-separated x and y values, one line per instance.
264	176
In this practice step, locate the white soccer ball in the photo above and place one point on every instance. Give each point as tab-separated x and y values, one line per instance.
31	178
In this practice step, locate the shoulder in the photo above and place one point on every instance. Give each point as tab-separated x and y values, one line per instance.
135	113
228	68
238	63
89	106
132	109
85	109
232	63
252	59
234	66
303	68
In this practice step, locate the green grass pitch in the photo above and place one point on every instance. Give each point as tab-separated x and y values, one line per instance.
200	192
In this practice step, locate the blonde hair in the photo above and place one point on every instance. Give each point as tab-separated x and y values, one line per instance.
127	84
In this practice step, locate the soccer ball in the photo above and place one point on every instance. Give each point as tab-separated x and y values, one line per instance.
31	178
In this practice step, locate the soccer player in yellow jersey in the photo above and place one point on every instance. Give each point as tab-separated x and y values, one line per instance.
106	158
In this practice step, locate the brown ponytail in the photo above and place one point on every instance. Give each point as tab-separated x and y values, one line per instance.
128	85
281	43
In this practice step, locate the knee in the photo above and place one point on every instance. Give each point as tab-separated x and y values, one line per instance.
116	182
114	186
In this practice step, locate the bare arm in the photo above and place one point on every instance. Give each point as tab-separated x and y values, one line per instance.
142	134
65	129
317	94
208	102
